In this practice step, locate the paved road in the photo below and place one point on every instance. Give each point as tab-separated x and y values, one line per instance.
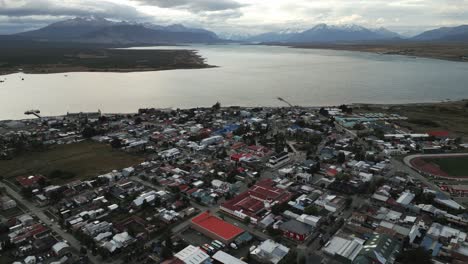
400	166
72	241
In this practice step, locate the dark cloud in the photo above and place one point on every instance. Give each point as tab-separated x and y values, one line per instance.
25	8
194	5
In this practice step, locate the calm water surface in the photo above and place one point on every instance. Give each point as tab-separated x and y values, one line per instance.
247	76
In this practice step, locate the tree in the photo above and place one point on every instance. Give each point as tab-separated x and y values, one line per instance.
277	209
216	106
89	132
341	157
247	220
415	256
116	143
138	120
323	111
311	210
167	250
348	202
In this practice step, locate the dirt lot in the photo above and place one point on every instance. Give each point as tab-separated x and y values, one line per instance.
449	116
75	161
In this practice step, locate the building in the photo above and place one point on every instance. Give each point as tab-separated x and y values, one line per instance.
270	252
29	181
256	200
215	228
343	249
278	160
7	203
211	140
193	255
224	258
60	248
379	249
405	198
296	230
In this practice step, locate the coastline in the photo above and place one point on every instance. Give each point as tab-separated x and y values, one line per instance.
65	70
441	51
48	60
459	103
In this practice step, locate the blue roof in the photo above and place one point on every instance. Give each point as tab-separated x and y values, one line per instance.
430	244
226	129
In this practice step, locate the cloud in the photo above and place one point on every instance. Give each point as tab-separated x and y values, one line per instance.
243	16
195	6
54	8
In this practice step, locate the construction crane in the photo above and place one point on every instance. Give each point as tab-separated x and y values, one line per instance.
284	101
34	112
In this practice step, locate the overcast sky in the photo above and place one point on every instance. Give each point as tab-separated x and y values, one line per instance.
242	16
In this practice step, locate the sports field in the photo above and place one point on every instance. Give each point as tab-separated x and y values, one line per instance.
450	167
74	161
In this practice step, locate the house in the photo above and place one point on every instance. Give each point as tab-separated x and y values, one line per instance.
60	248
7	203
270	252
30	181
331	203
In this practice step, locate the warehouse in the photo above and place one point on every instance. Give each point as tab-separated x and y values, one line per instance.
215	228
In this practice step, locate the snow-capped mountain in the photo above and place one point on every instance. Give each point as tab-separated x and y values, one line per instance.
327	33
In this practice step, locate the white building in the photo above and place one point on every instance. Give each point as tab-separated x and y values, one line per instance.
192	255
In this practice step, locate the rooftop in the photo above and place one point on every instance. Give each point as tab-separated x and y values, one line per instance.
216	226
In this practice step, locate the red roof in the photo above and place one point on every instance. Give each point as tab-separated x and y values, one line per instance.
217	226
29	180
438	133
251	202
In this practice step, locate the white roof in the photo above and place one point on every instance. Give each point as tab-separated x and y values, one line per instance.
59	246
405	198
225	258
347	248
192	255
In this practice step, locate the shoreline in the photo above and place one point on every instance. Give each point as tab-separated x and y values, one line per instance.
447	52
69	70
354	105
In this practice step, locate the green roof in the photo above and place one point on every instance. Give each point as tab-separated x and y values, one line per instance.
378	248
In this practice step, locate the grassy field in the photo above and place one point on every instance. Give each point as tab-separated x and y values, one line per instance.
78	161
450	116
454	166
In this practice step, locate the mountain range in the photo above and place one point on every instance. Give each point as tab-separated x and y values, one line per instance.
327	33
104	31
100	30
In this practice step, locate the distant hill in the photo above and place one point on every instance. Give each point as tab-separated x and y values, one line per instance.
459	33
99	30
127	34
324	33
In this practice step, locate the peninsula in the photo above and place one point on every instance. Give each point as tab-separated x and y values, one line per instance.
45	58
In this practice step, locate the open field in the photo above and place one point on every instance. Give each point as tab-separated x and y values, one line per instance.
443	51
453	166
424	117
76	161
449	166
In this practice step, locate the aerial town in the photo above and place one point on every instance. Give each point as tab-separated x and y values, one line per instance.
231	185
